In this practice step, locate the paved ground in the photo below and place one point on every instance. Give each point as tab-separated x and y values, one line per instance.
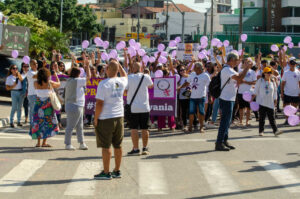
179	166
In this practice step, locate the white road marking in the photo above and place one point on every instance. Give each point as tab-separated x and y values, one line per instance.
13	180
218	178
83	183
282	175
151	179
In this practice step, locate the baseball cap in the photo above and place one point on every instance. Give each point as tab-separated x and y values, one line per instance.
292	60
267	70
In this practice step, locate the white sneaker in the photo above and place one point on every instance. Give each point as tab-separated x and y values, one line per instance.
70	147
261	134
211	126
83	147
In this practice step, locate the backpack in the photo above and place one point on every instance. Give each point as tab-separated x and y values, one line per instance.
214	87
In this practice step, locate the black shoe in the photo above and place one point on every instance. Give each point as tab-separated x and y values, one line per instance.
134	152
145	151
286	123
116	174
19	124
221	147
103	176
12	125
279	111
228	145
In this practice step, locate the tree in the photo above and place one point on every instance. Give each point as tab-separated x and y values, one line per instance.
127	3
76	18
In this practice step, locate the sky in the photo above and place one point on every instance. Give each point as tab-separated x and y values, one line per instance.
190	3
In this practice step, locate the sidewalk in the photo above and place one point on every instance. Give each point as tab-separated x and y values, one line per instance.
5	107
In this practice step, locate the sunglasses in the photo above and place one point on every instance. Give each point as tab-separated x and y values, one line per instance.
14	68
181	70
25	66
269	73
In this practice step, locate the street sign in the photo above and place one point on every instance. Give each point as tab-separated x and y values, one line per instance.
151	3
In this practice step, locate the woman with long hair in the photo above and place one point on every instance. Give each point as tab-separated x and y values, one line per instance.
14	85
24	71
44	123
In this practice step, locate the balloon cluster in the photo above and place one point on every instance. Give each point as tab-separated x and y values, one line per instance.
291	111
247	96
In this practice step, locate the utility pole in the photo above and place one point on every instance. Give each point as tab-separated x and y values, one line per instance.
183	13
167	19
138	24
101	12
212	19
61	14
205	23
241	24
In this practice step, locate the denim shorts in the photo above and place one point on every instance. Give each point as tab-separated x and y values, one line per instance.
194	103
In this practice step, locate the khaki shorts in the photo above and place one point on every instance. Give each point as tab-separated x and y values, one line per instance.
110	131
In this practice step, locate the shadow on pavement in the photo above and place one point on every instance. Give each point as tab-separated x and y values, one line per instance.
79	158
26	149
177	155
260	168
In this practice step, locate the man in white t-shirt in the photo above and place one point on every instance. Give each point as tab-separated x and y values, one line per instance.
198	81
227	98
109	121
31	78
140	108
290	86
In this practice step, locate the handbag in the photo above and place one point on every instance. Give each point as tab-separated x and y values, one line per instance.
127	108
54	99
187	93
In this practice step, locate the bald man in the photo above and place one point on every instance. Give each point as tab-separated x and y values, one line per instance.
140	108
109	122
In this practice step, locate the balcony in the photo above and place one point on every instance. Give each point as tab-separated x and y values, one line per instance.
290	21
290	3
231	19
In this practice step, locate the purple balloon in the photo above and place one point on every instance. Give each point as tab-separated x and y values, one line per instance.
178	39
172	44
161	47
289	110
15	54
274	48
220	44
141	52
247	96
132	53
113	54
287	39
164	53
146	59
121	45
214	42
97	40
82	72
85	44
254	106
293	120
174	52
132	42
152	59
159	73
204	44
104	56
105	44
137	45
201	55
26	59
204	51
162	60
203	39
291	45
244	37
226	43
131	50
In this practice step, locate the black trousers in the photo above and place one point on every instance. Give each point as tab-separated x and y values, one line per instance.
184	107
263	112
25	106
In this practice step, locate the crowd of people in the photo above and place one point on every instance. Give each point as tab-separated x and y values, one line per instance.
267	81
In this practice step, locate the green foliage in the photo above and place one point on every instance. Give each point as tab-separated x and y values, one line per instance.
43	37
127	3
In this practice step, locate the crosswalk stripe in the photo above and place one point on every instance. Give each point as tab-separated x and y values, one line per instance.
82	183
13	180
151	179
282	175
218	178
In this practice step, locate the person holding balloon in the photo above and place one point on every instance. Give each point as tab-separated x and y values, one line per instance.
266	96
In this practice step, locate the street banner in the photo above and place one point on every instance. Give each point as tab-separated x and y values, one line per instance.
162	96
228	49
187	51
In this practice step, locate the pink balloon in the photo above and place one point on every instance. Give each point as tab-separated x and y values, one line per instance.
151	59
247	96
146	59
121	45
204	51
203	39
220	44
214	42
172	43
204	44
244	37
131	50
289	110
254	106
201	55
113	54
97	40
132	42
162	60
178	39
293	120
161	47
177	78
226	43
291	45
85	44
15	54
132	53
105	44
240	52
287	39
137	45
26	59
82	72
164	53
274	48
159	73
285	48
141	52
104	56
174	52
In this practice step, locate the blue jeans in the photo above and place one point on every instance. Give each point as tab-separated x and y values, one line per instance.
197	102
226	109
31	100
215	110
17	99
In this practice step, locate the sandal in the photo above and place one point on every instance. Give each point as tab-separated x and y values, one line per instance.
46	145
38	145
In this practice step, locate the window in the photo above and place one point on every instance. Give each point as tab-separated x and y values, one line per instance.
144	29
133	29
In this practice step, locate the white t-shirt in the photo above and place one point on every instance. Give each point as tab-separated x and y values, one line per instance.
229	91
250	77
31	80
291	79
80	91
140	103
111	91
181	82
11	80
266	93
198	85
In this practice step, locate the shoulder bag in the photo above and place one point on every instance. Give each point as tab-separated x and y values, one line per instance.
54	99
